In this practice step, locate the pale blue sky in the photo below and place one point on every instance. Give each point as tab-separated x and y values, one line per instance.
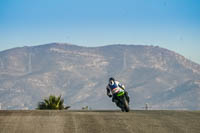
172	24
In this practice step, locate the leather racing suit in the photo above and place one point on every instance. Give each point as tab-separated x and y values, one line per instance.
114	89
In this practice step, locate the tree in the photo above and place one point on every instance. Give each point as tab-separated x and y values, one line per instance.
53	102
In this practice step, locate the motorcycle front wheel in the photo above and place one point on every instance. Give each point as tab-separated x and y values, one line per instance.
126	105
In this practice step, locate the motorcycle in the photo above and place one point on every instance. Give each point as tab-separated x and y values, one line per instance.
122	102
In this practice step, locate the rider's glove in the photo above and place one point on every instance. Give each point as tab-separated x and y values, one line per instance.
110	95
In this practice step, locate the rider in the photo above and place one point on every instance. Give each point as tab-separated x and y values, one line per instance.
113	88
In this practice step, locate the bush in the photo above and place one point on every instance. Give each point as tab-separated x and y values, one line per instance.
52	103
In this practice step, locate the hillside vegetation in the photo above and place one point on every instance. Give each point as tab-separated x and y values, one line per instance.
154	75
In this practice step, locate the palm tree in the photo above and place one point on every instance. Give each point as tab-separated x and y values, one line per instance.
53	102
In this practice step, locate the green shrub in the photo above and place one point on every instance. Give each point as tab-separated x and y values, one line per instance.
52	103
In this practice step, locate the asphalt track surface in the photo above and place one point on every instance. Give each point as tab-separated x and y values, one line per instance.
36	121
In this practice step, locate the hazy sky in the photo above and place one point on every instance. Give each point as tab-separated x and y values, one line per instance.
172	24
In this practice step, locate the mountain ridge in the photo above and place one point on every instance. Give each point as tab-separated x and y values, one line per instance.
80	74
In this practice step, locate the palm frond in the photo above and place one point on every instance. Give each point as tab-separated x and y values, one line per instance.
53	102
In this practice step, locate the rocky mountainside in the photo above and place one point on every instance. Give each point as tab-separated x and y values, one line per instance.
153	75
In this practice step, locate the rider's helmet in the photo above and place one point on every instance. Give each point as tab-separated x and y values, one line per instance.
111	80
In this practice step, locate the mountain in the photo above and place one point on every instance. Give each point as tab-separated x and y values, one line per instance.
153	75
